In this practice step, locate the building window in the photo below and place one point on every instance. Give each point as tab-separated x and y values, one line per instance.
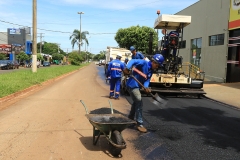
216	40
195	56
182	44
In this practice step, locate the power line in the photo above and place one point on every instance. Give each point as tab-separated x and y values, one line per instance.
100	23
51	30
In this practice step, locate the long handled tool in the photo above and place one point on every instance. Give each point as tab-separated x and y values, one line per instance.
155	97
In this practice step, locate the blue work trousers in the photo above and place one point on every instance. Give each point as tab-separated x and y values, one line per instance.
115	82
137	104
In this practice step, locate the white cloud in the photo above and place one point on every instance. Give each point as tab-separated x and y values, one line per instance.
126	4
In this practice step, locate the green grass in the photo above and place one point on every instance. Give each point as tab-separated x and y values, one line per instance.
21	79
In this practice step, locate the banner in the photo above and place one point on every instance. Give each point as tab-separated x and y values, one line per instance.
17	48
5	48
14	31
234	19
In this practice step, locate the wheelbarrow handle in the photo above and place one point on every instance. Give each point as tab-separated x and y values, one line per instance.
84	106
110	106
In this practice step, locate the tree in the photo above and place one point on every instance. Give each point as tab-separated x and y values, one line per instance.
75	38
136	36
3	56
99	56
75	58
50	48
57	56
22	56
40	57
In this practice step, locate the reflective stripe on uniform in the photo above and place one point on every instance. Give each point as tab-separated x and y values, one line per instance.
116	69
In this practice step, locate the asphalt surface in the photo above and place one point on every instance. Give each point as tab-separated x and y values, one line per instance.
188	128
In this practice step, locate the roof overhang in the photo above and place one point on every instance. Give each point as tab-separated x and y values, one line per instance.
171	22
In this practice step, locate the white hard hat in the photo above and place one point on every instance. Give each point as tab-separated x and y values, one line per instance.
119	55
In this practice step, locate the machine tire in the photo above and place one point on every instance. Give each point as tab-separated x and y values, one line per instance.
117	139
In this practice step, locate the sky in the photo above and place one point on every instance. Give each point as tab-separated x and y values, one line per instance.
57	19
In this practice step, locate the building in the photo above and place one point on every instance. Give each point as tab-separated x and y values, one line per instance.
212	40
14	41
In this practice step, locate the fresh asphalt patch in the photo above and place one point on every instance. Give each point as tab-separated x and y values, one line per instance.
188	128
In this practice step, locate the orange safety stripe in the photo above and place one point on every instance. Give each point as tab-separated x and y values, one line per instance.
116	69
111	91
234	24
117	92
140	73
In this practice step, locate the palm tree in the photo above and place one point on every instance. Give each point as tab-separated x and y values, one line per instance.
75	38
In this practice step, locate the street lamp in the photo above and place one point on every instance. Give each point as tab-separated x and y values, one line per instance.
79	51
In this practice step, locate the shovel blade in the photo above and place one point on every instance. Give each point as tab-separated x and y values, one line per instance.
157	98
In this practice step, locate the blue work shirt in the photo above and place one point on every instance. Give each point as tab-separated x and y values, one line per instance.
143	74
172	33
138	56
115	68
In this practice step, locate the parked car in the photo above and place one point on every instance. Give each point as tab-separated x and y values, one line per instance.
46	64
15	64
6	64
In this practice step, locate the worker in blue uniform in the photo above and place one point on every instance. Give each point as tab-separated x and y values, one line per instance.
171	41
142	70
135	54
126	61
108	77
115	69
111	59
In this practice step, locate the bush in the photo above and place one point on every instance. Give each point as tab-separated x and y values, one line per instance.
75	58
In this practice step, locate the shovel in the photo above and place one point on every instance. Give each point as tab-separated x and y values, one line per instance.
155	97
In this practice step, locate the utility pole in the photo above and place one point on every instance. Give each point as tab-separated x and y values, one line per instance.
157	48
79	51
41	41
58	47
34	44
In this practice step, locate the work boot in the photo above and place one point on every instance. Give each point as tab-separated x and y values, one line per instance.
141	128
116	98
111	97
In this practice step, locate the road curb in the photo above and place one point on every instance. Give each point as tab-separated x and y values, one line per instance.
34	88
225	104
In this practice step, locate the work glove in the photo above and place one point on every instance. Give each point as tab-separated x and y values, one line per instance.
147	90
126	71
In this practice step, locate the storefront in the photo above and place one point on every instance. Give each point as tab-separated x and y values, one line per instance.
213	39
233	63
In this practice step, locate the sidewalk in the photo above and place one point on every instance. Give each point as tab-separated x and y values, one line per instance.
228	93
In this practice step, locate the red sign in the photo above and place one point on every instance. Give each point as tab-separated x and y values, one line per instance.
5	48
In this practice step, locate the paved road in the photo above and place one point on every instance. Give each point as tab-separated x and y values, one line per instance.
50	123
189	128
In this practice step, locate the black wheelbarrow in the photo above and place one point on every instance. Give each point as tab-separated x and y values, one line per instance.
110	125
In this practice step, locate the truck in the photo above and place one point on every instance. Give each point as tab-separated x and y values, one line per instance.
112	52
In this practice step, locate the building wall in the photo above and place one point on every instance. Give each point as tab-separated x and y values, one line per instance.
208	17
3	38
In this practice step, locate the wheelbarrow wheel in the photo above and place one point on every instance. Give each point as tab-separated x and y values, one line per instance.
117	139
